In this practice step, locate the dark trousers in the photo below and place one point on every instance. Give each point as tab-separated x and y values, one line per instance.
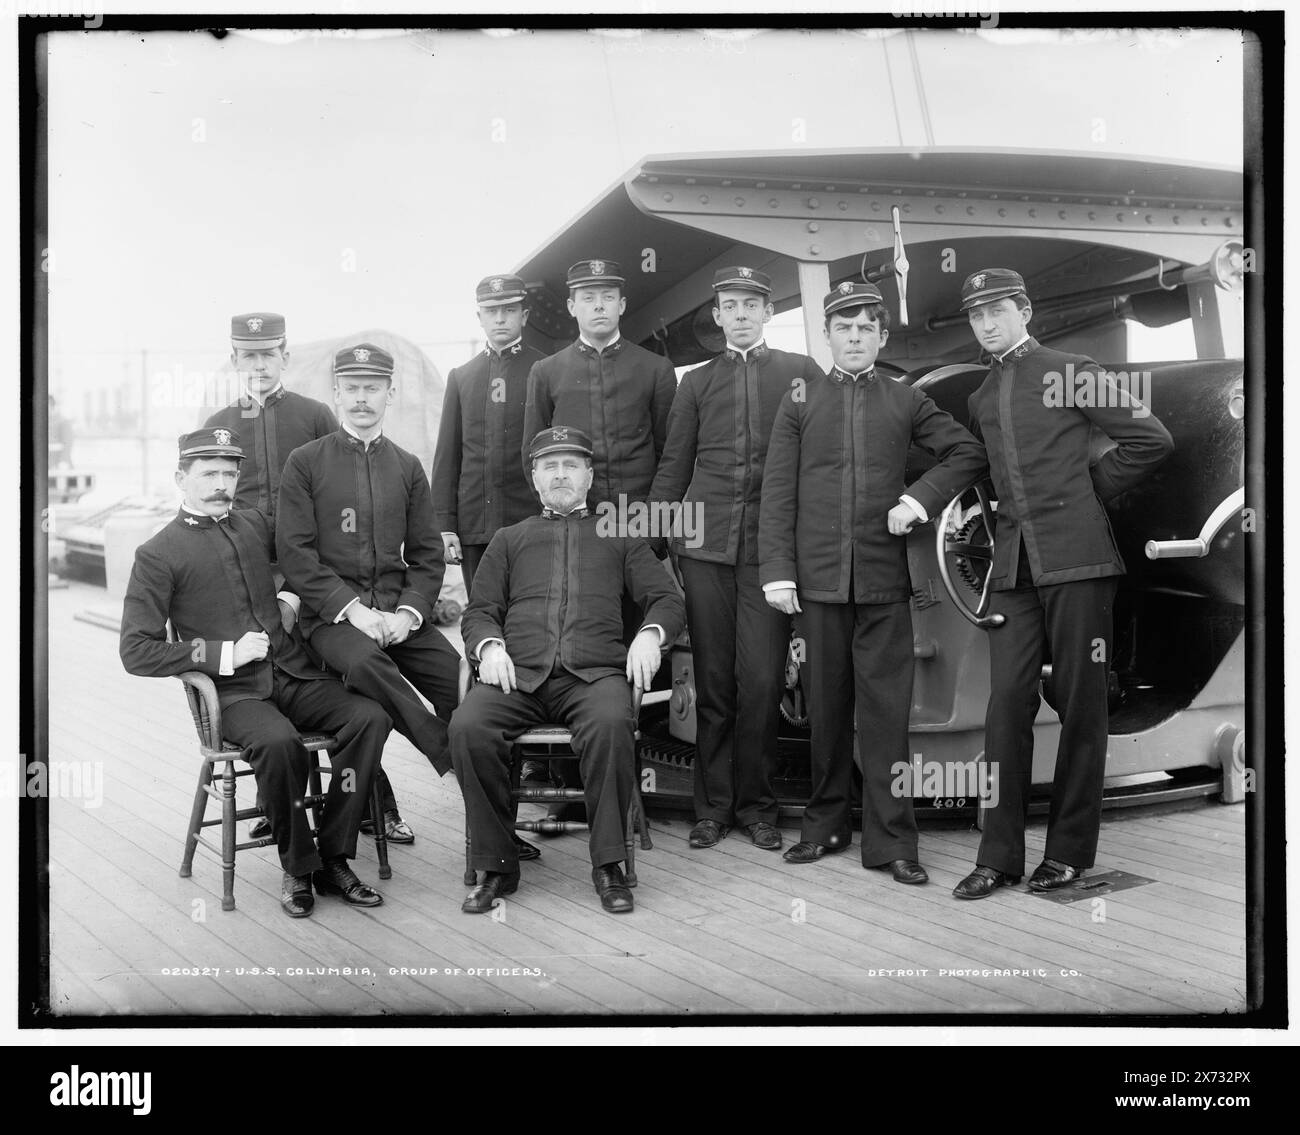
471	555
426	658
598	713
859	655
1074	622
269	730
738	649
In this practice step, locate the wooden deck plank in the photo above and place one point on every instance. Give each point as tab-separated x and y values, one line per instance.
114	978
230	941
565	871
70	993
1173	940
659	983
1185	888
712	933
364	931
933	913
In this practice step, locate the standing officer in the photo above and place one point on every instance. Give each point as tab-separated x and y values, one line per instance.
209	572
357	541
545	623
834	516
478	485
272	420
1054	574
617	393
713	465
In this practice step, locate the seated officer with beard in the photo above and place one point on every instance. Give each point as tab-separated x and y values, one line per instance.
546	626
209	572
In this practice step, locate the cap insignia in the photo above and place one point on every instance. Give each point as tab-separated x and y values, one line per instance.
560	433
361	355
977	281
497	285
597	267
747	272
222	437
255	324
846	288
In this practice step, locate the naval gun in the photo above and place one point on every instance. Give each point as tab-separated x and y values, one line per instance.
1108	245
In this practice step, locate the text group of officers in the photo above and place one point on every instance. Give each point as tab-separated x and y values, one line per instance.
797	482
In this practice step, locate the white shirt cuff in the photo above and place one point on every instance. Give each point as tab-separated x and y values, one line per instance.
343	614
227	664
419	619
663	635
778	584
289	597
478	650
915	506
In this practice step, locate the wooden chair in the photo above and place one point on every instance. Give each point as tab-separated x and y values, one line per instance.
206	710
549	742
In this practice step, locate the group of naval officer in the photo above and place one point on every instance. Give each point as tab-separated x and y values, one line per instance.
302	570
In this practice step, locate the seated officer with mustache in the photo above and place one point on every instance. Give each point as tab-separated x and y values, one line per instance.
357	541
545	624
209	572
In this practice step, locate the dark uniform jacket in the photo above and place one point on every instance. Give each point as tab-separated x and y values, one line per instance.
268	434
478	486
717	444
552	590
1048	496
357	522
620	397
835	467
215	588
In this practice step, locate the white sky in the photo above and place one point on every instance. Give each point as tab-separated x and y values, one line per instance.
192	178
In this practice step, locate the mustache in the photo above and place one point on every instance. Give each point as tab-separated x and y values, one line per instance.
218	497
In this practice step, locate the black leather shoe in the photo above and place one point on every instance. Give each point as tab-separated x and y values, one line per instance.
611	885
396	829
537	773
493	885
1052	873
764	836
805	852
260	828
337	878
296	899
524	849
708	832
905	870
982	882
